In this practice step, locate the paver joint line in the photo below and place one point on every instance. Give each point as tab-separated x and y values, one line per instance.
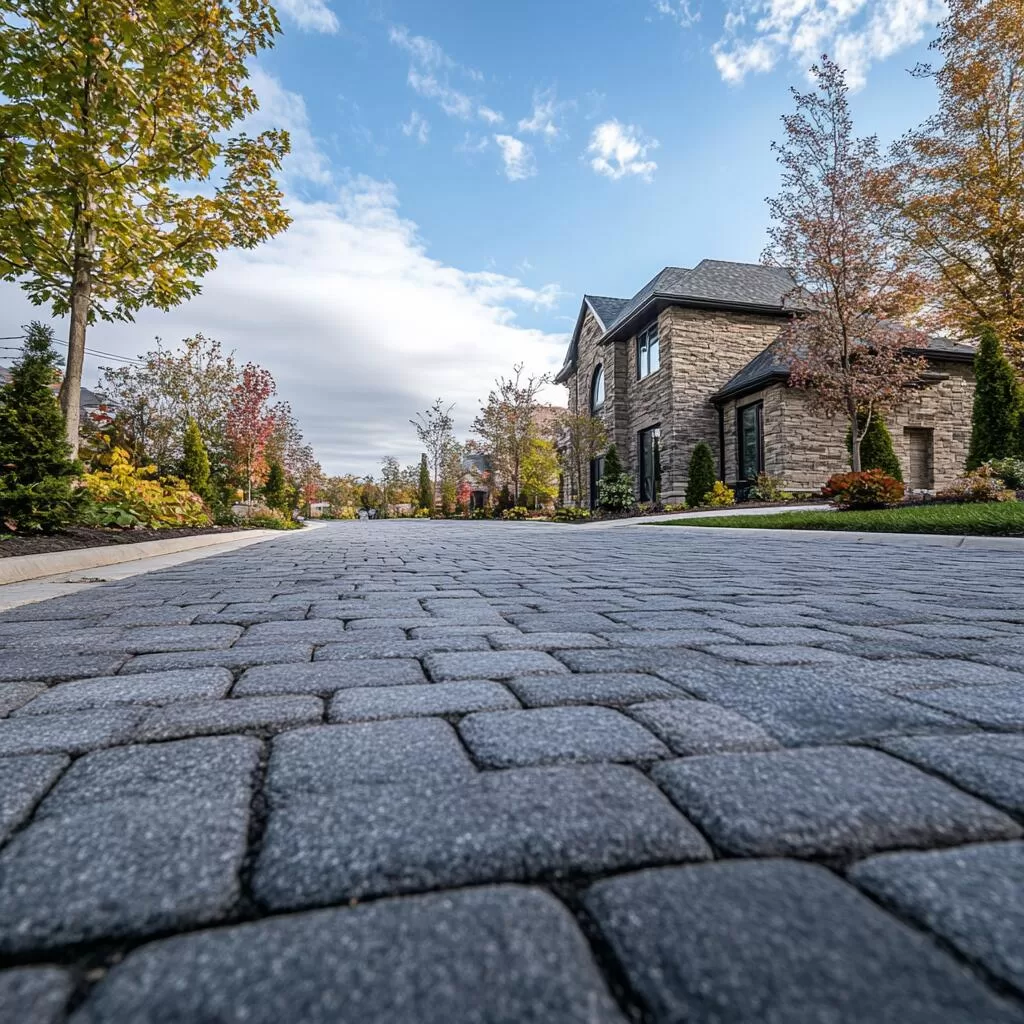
343	777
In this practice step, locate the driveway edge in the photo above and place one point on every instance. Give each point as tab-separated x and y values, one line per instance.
21	568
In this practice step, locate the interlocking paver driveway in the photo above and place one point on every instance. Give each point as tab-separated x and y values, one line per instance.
406	772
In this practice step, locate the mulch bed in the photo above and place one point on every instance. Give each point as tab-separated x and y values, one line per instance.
96	537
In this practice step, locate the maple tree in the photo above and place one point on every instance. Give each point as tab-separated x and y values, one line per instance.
832	228
961	174
507	424
581	439
106	109
250	422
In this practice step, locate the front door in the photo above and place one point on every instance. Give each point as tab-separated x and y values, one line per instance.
919	443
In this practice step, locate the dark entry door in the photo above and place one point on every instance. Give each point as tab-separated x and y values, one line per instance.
920	444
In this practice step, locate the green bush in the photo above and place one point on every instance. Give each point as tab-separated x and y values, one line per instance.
570	514
615	489
36	470
702	476
1010	471
195	463
868	489
997	417
768	488
516	512
876	450
270	519
275	490
480	513
721	495
981	484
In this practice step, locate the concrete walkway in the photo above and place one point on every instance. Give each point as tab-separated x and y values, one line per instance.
490	773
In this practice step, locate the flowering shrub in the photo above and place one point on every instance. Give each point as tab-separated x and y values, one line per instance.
422	513
721	496
123	495
870	488
981	484
516	512
768	488
675	506
569	514
615	493
480	513
1010	471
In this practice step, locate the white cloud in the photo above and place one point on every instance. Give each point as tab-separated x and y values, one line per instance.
310	15
490	116
618	150
517	156
680	11
452	102
424	51
417	127
360	326
542	121
758	34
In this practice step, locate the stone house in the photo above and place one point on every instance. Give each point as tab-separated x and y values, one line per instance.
693	357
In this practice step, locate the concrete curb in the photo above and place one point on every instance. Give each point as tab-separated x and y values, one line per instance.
933	540
32	567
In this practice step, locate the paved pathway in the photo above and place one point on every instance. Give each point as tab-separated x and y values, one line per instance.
438	772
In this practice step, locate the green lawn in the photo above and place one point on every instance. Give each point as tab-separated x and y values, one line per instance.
997	519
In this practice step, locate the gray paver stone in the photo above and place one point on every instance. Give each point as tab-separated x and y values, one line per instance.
830	801
72	733
214	716
697	727
234	657
328	676
34	995
996	707
15	695
452	667
374	703
613	688
778	943
23	780
19	666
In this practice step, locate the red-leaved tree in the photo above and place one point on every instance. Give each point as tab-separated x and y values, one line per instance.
250	422
849	349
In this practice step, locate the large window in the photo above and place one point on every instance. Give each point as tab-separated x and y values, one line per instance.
650	464
596	472
597	390
750	441
648	352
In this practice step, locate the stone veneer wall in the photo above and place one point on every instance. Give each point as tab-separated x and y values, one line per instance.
805	449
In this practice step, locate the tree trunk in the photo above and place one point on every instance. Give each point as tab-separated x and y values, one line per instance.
854	438
70	389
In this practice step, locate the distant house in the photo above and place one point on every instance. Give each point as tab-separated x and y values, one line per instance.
693	356
91	404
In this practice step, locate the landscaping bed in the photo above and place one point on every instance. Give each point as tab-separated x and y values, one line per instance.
95	536
984	519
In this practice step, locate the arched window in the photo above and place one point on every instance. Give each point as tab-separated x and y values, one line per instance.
597	390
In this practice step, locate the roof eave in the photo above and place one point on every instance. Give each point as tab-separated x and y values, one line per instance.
757	384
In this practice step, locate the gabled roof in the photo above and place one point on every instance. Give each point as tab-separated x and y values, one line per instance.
770	366
712	284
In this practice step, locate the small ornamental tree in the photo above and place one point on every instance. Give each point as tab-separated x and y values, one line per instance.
998	413
425	491
834	230
504	501
612	465
195	463
701	480
36	471
615	488
876	450
250	423
275	490
434	428
581	438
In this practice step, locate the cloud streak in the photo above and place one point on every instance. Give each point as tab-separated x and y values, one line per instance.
517	157
621	150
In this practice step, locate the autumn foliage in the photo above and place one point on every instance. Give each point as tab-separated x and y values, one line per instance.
250	423
868	489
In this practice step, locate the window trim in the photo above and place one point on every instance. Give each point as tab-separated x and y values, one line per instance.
643	337
640	461
596	407
758	408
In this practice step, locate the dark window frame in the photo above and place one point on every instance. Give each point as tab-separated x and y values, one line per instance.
596	472
596	407
647	493
742	473
643	343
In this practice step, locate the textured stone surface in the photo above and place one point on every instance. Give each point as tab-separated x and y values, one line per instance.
697	727
328	677
505	826
972	897
496	956
117	869
34	995
777	942
367	705
613	688
833	801
513	739
330	760
149	688
706	649
990	766
72	733
214	716
23	781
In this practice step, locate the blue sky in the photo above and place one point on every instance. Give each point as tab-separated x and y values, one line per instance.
463	172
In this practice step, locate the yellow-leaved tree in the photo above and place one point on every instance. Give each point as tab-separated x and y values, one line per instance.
119	183
962	173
